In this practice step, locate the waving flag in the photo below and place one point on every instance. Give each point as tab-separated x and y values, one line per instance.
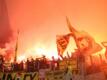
85	43
88	44
62	42
105	45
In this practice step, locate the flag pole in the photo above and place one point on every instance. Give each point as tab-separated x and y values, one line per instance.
80	57
16	47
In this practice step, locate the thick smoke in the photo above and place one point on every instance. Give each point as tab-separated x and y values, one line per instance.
5	35
5	29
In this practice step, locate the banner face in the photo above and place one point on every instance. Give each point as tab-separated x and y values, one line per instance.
84	42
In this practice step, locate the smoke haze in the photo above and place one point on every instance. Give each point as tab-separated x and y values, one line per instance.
5	29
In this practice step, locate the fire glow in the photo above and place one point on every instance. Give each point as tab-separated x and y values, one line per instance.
37	53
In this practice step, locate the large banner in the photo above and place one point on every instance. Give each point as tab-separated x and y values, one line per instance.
19	75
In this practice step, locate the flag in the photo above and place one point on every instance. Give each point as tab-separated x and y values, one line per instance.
85	43
105	45
62	42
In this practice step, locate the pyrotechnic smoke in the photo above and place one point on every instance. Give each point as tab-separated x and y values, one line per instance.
6	33
5	29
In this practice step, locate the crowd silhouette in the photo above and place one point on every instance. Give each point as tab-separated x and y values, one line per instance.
30	65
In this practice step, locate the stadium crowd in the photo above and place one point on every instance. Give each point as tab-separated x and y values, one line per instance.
30	65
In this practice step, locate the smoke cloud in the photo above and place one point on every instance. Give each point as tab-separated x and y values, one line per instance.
5	35
5	29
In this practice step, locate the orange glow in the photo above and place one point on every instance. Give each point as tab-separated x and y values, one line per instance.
40	21
21	58
99	56
36	52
